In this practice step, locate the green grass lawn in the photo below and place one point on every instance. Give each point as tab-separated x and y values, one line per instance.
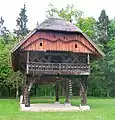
101	109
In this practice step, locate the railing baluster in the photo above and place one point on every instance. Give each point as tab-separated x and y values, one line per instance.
69	67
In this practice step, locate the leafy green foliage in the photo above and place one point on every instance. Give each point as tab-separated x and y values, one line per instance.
8	78
22	20
69	13
89	26
111	31
103	27
3	31
102	79
14	79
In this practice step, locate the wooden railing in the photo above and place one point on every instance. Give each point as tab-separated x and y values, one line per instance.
57	67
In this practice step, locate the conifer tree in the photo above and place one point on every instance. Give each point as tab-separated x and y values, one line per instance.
4	32
21	21
103	27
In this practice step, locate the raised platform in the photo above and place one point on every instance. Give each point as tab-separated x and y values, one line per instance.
51	107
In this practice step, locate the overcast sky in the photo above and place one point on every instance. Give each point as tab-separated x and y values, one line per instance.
10	9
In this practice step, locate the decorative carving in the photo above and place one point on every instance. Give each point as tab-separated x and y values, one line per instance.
58	67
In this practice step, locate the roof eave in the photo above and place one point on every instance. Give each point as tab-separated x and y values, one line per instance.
22	41
94	45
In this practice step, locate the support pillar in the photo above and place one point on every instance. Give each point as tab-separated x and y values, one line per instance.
83	90
23	90
56	92
70	88
22	95
67	101
26	92
27	97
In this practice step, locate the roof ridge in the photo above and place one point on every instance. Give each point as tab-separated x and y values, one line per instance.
58	24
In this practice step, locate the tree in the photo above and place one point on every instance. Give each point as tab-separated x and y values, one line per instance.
7	76
106	27
14	80
3	31
103	27
111	63
111	31
102	77
22	20
69	13
89	26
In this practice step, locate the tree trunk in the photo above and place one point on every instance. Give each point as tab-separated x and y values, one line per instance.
9	91
17	92
63	91
23	90
45	92
50	92
108	93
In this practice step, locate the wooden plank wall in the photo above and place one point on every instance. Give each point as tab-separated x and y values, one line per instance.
59	42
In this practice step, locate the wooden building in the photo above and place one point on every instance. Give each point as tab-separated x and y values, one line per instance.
56	48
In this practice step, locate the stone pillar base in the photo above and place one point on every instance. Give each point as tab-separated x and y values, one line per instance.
85	107
57	102
21	99
67	104
27	105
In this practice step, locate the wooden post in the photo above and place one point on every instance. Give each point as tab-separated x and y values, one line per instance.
67	91
26	92
27	100
88	59
83	90
70	88
27	68
56	91
23	89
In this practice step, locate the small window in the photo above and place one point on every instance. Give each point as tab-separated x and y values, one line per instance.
40	44
75	45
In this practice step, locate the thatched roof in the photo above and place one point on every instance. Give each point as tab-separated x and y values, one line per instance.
58	24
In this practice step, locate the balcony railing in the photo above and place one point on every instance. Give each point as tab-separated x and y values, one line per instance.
62	68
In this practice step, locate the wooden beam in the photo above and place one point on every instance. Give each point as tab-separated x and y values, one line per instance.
23	89
70	88
83	90
27	68
57	90
88	59
67	91
27	95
